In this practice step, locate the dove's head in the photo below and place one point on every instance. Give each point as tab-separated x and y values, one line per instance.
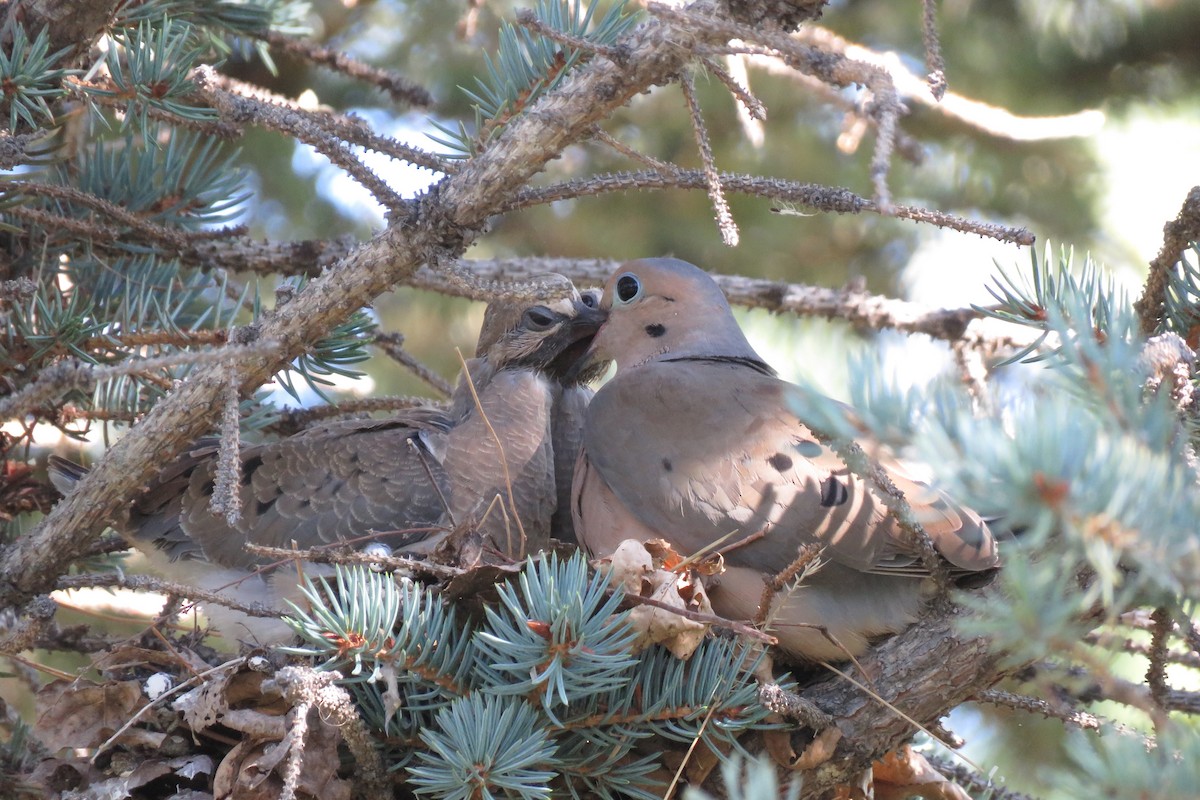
548	336
664	308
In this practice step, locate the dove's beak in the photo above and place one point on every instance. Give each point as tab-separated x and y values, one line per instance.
580	355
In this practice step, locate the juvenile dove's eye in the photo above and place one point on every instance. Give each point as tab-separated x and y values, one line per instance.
590	300
538	318
629	288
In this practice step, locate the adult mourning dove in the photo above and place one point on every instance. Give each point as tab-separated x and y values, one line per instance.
694	441
406	478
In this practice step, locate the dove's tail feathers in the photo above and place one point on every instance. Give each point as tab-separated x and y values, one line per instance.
64	474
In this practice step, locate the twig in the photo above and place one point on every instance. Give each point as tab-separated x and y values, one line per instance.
1036	705
750	111
990	119
1178	235
400	88
973	373
740	628
241	109
175	239
751	104
712	178
69	374
338	554
527	19
973	781
393	345
935	66
149	583
885	106
822	198
295	419
601	135
226	500
1156	672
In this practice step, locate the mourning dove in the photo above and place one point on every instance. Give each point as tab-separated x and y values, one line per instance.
403	478
694	441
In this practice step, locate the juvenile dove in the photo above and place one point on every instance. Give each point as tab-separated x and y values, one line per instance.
694	441
402	477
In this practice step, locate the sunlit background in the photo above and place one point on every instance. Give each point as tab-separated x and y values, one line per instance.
1134	66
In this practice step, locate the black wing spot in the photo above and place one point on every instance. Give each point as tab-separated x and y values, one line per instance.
833	492
249	466
780	462
667	465
656	330
263	507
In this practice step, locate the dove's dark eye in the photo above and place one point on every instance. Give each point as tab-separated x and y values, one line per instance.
538	318
629	288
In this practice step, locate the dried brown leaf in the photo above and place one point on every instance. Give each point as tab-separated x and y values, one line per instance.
84	714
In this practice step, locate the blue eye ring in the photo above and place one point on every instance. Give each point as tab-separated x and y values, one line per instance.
627	288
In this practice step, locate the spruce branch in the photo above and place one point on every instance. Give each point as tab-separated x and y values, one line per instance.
393	345
822	198
993	120
885	106
1178	235
602	136
399	88
439	223
725	223
241	109
149	583
935	65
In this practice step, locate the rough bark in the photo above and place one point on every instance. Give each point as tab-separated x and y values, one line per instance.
437	227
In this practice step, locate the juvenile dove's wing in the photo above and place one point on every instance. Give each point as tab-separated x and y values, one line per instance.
329	483
500	454
353	478
566	426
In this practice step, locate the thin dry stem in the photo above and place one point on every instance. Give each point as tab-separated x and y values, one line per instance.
400	89
508	483
748	102
293	122
935	65
603	136
393	345
822	198
226	500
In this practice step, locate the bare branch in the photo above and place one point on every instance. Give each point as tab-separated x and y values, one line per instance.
1036	705
990	119
149	583
393	345
712	179
240	109
1178	235
935	66
885	106
400	89
822	198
